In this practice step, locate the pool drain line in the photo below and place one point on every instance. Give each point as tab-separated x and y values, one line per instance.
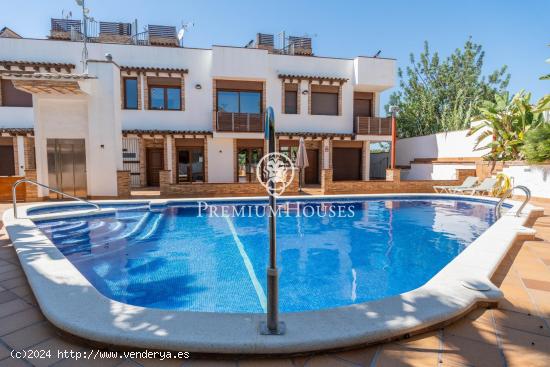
248	265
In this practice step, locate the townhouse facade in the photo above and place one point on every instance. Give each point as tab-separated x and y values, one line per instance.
142	111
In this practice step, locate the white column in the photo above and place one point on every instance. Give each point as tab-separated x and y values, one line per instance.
21	155
366	161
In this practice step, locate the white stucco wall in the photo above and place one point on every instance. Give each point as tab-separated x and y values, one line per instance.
60	118
430	171
535	177
220	160
452	144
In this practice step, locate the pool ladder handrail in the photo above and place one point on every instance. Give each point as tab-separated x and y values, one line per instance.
498	208
26	180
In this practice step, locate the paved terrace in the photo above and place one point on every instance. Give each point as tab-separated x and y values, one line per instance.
517	333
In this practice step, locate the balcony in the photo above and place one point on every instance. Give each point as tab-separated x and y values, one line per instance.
238	122
372	125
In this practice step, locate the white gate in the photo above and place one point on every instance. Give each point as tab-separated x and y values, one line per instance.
130	159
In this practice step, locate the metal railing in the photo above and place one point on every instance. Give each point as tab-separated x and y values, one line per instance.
14	196
373	125
239	122
498	208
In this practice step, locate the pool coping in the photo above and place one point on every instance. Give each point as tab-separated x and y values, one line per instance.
72	304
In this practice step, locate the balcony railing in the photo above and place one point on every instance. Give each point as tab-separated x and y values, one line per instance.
239	122
113	32
372	125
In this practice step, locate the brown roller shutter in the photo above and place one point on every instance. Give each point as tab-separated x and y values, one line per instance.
346	164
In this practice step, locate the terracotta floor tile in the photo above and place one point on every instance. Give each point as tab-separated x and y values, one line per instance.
327	361
4	352
7	267
55	346
528	323
30	335
22	290
362	357
13	306
400	355
286	362
13	283
525	349
6	296
167	363
464	351
11	362
11	274
474	330
542	301
202	363
104	362
19	320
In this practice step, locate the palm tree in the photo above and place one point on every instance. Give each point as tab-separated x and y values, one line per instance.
507	120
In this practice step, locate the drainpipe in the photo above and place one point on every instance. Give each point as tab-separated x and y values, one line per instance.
272	326
393	110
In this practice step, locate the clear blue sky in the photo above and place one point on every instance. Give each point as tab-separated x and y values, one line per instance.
515	33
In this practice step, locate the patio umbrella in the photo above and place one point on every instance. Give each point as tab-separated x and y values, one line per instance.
301	161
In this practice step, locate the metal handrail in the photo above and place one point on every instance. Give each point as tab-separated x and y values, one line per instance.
14	195
498	208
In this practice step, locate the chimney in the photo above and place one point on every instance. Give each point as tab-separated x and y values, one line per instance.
265	41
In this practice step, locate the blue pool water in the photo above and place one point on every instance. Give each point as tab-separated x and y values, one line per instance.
180	257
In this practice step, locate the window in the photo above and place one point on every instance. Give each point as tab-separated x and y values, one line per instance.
14	97
164	98
130	94
290	151
191	164
237	101
291	102
324	103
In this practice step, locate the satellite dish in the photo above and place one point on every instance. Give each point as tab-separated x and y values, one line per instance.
181	33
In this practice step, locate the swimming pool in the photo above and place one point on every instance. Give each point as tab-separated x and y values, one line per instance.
331	253
155	274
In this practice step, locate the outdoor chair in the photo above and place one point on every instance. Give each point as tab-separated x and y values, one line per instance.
484	188
468	183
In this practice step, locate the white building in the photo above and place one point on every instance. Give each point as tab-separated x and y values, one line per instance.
141	103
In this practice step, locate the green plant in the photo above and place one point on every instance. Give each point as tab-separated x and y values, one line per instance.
442	94
508	120
537	144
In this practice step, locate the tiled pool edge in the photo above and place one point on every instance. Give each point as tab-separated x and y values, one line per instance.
72	304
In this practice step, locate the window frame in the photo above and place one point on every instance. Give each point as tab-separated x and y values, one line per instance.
239	91
126	93
165	97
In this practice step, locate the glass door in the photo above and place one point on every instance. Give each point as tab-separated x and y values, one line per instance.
190	165
247	160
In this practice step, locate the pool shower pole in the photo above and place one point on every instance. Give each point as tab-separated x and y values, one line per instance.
272	326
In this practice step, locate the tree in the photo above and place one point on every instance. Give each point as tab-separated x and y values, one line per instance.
537	144
442	95
508	120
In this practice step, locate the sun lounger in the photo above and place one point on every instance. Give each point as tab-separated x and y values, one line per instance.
468	183
486	187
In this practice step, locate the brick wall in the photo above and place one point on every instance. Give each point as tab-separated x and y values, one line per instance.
393	184
123	184
216	189
31	191
486	169
30	155
15	155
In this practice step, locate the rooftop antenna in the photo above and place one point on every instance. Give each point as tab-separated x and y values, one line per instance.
66	14
183	29
85	18
377	54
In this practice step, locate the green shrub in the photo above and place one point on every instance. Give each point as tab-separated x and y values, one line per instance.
537	144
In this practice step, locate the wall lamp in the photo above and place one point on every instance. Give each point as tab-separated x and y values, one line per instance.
305	92
198	86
